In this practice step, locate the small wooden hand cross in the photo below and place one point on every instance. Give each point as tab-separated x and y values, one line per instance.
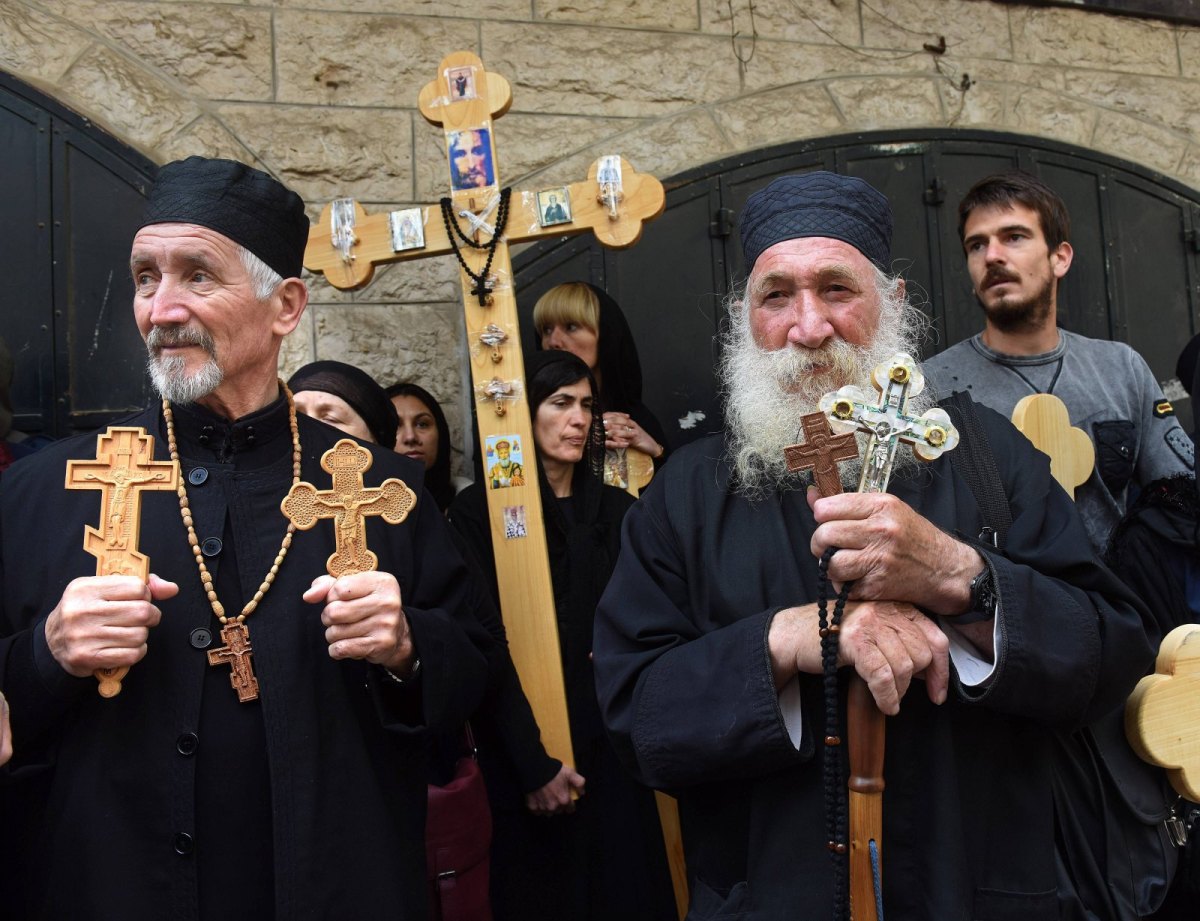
348	503
123	468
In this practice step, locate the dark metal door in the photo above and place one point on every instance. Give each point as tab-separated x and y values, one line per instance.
72	203
1136	236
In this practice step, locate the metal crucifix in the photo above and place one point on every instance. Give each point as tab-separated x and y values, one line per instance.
475	223
124	466
931	434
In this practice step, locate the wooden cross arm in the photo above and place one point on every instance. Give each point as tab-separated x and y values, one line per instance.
643	200
1162	717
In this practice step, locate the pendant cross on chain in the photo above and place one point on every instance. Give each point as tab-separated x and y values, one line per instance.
237	654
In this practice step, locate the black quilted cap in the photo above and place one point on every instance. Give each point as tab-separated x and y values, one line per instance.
819	204
237	201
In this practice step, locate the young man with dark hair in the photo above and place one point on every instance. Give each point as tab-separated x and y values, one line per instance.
1014	231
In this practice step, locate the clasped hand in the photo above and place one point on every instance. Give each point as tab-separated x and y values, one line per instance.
897	561
364	619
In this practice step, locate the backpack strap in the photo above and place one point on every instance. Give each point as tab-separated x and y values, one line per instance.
975	463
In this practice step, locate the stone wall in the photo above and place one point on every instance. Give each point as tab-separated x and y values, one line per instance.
323	95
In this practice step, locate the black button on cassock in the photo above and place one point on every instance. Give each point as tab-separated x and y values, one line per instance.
184	844
200	638
211	546
197	476
187	743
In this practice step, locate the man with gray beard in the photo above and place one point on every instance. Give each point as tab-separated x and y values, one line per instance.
707	654
299	792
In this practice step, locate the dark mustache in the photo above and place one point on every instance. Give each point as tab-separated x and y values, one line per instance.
173	336
997	275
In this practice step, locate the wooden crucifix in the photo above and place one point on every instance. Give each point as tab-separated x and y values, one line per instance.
821	451
348	503
475	223
123	468
886	420
236	653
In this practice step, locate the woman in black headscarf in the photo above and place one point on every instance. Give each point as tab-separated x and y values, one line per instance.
347	398
424	435
584	320
603	856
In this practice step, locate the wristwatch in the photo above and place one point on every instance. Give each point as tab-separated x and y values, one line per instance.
983	599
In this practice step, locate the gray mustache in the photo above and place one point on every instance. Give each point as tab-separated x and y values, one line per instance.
172	336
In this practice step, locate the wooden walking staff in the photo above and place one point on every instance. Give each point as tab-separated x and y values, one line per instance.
123	468
847	411
476	222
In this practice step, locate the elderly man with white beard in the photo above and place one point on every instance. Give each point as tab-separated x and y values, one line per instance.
707	653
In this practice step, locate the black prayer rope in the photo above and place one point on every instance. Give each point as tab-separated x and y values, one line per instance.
837	796
453	231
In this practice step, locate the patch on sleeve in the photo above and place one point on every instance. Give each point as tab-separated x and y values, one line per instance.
1181	444
1163	408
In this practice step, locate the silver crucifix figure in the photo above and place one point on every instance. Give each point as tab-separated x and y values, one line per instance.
849	410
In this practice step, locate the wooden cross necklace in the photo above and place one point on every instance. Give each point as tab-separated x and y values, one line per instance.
236	652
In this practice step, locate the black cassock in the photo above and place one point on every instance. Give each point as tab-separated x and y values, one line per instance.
174	800
607	859
685	687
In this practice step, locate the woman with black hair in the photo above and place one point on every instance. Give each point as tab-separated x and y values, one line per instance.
602	856
424	435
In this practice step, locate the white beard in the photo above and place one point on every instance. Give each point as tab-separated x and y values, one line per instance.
168	375
766	393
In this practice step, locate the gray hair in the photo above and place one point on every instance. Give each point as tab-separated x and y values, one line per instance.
264	278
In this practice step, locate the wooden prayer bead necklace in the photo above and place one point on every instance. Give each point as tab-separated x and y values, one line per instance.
235	633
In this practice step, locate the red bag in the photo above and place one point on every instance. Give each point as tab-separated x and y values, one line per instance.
458	839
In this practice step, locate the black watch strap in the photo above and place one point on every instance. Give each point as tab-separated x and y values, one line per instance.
983	599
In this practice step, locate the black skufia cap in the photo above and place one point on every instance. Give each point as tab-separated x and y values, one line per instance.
818	204
237	201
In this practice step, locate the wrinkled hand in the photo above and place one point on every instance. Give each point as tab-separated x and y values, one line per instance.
105	621
891	552
5	733
364	619
888	643
555	797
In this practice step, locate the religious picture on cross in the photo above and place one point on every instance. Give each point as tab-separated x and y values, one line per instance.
504	461
408	229
461	81
554	207
470	154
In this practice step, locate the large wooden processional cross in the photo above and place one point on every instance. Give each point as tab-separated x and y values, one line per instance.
475	223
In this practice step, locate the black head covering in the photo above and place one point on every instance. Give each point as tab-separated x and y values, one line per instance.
358	389
237	201
548	370
818	204
437	477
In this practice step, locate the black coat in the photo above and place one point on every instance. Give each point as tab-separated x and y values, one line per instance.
321	781
686	688
607	860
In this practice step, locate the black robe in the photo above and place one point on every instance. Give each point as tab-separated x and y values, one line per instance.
322	779
686	689
607	860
